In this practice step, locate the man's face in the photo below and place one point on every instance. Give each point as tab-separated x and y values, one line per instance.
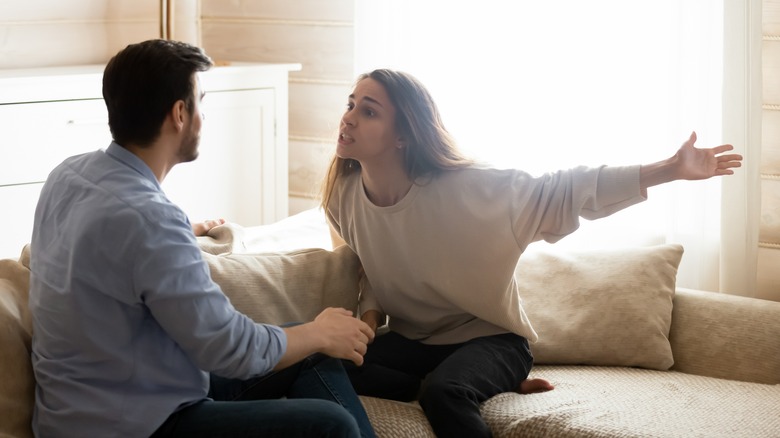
188	150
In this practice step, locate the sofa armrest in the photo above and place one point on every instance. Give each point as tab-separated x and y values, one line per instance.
726	336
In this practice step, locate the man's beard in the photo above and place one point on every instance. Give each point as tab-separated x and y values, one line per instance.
188	150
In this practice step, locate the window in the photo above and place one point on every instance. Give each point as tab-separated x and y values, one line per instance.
548	85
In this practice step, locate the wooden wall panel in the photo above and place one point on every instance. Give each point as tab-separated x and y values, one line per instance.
72	33
186	22
771	17
73	43
317	34
312	10
768	287
78	10
283	42
316	109
308	163
768	276
770	213
771	71
770	138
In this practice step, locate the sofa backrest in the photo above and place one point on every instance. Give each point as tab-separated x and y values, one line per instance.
17	383
726	336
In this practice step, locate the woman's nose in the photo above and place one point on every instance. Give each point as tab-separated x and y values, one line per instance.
347	119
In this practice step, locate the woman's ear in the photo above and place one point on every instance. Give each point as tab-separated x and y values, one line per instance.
401	143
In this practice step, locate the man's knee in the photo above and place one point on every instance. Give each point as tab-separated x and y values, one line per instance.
333	420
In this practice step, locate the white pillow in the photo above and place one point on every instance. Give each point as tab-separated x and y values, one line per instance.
307	229
605	307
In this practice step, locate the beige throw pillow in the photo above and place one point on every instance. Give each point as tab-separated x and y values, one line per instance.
17	385
605	307
284	287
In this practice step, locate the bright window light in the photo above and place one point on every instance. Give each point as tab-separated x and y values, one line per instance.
543	86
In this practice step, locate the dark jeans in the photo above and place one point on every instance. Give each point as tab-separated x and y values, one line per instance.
451	381
320	402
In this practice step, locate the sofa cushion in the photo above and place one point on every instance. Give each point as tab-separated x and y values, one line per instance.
631	402
605	307
307	229
17	385
726	336
281	287
393	419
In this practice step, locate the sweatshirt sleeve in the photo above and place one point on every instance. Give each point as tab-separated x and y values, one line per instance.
368	300
549	207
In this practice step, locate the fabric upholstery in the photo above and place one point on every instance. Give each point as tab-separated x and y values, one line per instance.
393	419
601	307
726	336
714	337
608	402
595	402
281	287
17	384
278	288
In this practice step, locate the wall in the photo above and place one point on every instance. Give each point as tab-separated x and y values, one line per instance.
319	35
769	235
314	33
46	33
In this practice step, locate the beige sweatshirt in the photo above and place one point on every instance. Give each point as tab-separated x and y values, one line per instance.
441	261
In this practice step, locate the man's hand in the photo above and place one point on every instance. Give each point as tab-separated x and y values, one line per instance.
345	336
202	228
335	332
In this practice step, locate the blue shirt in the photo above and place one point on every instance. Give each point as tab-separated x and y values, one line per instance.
127	321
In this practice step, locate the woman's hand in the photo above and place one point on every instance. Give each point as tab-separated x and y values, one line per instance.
372	318
690	163
202	228
694	163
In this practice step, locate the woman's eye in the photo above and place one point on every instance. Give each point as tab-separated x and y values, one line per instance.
369	113
350	106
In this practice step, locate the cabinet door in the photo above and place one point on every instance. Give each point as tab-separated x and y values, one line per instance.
36	137
17	204
234	175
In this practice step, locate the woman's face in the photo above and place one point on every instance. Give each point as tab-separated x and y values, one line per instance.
367	132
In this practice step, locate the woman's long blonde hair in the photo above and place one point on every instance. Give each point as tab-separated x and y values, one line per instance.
429	148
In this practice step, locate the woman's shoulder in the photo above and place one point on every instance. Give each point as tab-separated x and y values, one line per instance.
479	173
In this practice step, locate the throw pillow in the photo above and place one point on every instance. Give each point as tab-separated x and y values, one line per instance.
285	287
17	386
605	307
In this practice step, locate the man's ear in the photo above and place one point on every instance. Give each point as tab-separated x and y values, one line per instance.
179	114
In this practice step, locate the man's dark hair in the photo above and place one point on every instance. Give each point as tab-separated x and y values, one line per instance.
143	81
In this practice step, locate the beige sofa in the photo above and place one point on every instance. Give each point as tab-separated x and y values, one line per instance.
630	354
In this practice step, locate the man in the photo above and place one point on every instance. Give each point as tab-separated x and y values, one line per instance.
132	337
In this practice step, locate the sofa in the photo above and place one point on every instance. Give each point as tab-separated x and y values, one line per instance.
629	352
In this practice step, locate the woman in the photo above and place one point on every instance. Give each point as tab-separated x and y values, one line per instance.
439	238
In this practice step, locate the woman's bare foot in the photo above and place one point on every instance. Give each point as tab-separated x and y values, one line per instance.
531	386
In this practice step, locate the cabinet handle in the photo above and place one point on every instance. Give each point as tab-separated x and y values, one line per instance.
95	121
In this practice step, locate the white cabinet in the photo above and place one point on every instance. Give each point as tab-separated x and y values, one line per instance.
49	114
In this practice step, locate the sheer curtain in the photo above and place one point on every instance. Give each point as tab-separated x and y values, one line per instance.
548	85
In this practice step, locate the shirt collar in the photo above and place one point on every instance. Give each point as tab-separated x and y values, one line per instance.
132	161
